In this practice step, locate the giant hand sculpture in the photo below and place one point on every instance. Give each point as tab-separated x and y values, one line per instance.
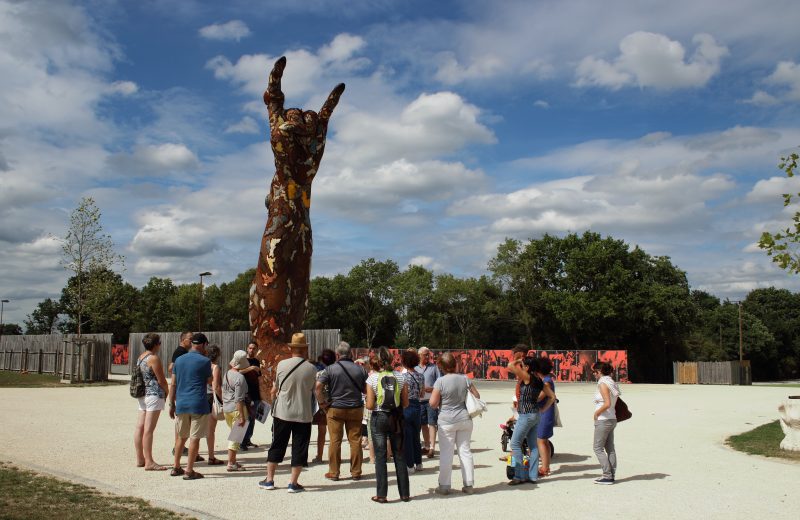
279	293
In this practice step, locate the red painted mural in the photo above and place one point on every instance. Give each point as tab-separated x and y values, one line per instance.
119	354
568	365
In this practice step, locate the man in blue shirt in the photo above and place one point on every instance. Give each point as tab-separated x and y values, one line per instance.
429	416
188	403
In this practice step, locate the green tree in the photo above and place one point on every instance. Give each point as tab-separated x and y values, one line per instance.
329	307
44	318
85	248
109	303
371	284
155	311
782	246
779	311
11	329
185	306
412	298
467	308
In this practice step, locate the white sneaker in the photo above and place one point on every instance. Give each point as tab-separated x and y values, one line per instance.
418	467
411	470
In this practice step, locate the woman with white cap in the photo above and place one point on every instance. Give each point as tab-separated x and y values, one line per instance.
234	391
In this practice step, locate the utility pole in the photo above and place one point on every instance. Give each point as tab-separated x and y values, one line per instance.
200	303
741	341
2	302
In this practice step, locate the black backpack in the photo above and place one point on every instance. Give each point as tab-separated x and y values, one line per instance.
137	381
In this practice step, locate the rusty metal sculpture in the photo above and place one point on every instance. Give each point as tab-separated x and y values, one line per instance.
279	293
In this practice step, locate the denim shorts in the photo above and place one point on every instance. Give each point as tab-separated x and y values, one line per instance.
427	414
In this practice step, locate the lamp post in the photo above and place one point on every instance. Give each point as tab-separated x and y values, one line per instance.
741	337
2	303
200	303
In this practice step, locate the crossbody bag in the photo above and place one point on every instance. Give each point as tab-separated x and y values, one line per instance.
280	386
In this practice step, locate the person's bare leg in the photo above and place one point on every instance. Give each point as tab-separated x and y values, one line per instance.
150	421
180	442
432	435
211	437
544	454
295	474
322	430
138	435
271	471
426	438
231	457
194	449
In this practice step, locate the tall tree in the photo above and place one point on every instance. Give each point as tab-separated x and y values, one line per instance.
371	283
109	303
44	318
155	311
412	298
84	248
11	329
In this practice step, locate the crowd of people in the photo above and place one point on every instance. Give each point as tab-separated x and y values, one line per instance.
394	411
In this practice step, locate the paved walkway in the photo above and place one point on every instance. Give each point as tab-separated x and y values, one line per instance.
672	461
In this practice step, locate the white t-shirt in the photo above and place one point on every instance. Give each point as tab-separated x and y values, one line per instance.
598	398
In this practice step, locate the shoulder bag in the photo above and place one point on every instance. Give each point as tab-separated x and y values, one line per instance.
280	386
475	407
621	410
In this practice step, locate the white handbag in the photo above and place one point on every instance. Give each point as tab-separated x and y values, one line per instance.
475	406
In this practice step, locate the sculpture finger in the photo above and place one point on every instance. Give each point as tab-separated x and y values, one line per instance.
273	96
331	102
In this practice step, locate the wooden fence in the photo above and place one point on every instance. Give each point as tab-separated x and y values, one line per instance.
60	354
228	342
712	373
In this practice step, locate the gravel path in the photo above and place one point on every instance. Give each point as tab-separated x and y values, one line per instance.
672	461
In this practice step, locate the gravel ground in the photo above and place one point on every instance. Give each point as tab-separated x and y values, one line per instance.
672	460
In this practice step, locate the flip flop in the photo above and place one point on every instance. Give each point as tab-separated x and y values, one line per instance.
176	472
193	476
380	500
215	462
155	467
140	465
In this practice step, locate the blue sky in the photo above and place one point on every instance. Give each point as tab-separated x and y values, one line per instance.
463	122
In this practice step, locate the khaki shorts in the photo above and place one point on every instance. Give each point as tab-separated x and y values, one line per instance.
191	425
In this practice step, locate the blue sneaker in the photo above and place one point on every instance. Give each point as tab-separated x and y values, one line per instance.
268	485
295	488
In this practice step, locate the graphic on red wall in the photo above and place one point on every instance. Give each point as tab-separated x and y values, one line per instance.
119	354
568	365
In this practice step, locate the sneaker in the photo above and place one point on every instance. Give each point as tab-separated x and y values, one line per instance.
468	490
604	481
295	488
265	484
411	470
244	447
418	467
442	490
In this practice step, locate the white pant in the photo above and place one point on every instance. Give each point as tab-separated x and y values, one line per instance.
451	435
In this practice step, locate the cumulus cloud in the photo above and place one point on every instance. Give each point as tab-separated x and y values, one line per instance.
233	30
171	232
247	125
125	88
153	159
652	60
250	72
771	190
785	83
541	103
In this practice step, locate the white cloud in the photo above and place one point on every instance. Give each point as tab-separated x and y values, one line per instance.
653	60
247	125
541	103
787	74
770	190
233	30
761	98
303	70
171	232
153	159
125	88
427	262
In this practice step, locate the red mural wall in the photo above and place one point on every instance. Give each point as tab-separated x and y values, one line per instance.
568	365
119	354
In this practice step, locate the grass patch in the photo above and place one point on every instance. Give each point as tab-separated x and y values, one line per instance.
764	440
31	380
27	495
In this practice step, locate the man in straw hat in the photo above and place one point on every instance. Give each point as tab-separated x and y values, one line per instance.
292	412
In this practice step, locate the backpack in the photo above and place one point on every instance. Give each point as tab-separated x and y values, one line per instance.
137	381
388	386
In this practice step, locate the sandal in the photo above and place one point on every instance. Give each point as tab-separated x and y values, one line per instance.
193	476
405	499
176	472
380	500
215	462
155	467
544	472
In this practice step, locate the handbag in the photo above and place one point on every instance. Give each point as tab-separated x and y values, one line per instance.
216	409
475	406
621	410
556	416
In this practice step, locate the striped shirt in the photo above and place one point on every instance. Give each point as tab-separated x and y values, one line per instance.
529	394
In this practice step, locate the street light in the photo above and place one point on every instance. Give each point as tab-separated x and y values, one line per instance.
200	303
2	302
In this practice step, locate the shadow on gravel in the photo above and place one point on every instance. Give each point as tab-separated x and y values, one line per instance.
558	458
646	476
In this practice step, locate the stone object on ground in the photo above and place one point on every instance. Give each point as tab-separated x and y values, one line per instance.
790	423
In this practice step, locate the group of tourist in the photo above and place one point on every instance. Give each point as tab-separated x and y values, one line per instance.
376	405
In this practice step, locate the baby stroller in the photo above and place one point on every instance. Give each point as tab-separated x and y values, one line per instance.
508	430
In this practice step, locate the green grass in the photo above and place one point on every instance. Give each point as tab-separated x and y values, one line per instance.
26	495
29	380
764	440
